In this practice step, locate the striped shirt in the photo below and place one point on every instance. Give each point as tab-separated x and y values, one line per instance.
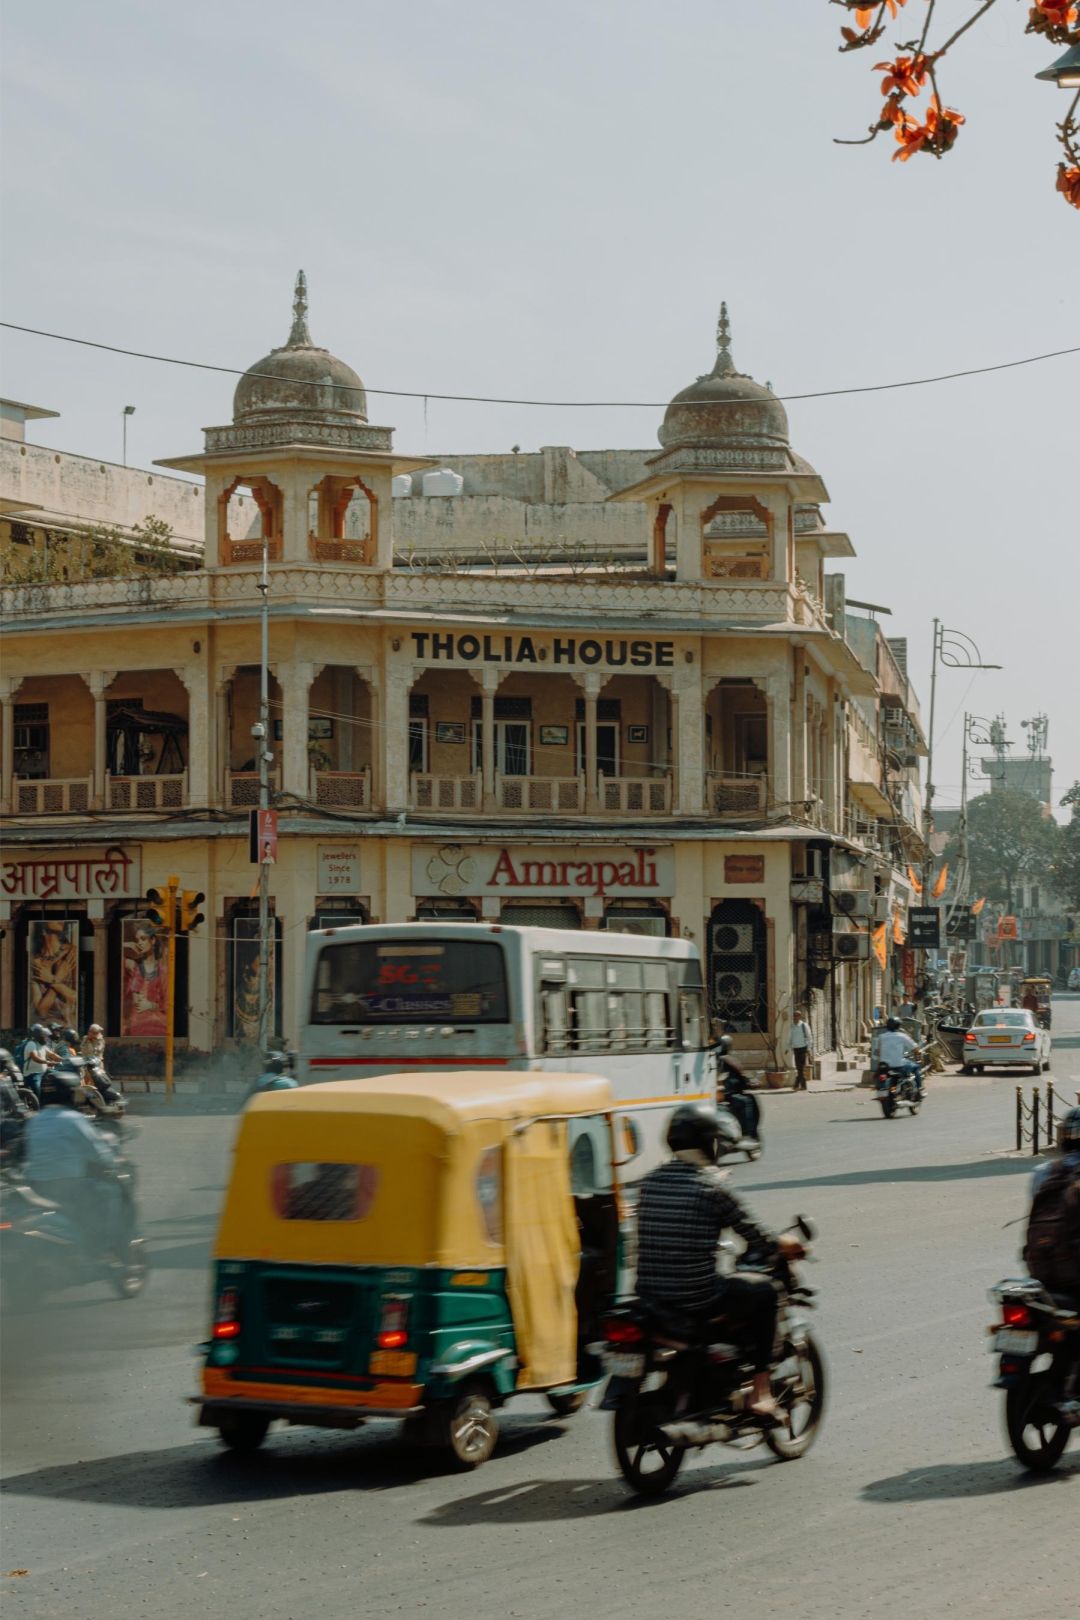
682	1211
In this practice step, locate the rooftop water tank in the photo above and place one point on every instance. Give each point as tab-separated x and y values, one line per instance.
401	485
444	481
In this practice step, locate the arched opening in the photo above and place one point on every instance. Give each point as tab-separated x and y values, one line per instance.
343	521
240	533
738	966
736	538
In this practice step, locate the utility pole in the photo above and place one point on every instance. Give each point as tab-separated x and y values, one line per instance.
262	731
129	410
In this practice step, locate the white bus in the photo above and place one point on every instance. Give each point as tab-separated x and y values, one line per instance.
382	998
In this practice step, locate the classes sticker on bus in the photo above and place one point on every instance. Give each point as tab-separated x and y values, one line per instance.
387	982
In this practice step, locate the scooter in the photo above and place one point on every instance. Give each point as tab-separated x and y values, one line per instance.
1038	1340
739	1101
44	1252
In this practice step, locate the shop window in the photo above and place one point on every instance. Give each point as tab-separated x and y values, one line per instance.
242	969
437	910
30	738
520	914
637	917
138	966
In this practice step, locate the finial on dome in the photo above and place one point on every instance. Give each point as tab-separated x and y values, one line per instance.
299	336
725	365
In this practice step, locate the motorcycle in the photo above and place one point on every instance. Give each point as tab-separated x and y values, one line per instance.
44	1251
676	1385
739	1101
1038	1340
897	1089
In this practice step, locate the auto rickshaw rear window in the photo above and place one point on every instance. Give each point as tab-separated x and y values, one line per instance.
449	981
323	1192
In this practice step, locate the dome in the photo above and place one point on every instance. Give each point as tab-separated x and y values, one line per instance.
724	407
300	380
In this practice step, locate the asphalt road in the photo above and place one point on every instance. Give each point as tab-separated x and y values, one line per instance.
909	1505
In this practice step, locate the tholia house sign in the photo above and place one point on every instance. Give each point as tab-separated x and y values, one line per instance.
522	871
564	652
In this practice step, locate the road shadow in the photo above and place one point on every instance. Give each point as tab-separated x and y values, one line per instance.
292	1463
968	1171
947	1481
547	1501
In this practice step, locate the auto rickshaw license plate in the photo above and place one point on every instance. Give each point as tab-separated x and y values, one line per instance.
392	1363
623	1364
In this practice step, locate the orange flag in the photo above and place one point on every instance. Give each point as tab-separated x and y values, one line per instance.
977	907
878	944
897	930
942	878
915	884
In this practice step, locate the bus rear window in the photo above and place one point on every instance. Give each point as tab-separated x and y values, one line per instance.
445	981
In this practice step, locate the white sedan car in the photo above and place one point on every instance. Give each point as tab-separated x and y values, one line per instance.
1002	1037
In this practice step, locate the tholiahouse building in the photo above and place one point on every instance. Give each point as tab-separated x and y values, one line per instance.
611	689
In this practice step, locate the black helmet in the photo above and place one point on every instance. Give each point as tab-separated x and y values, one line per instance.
723	1045
39	1032
70	1037
699	1125
278	1063
892	1023
1069	1130
60	1088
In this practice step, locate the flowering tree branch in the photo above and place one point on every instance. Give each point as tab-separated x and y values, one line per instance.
915	67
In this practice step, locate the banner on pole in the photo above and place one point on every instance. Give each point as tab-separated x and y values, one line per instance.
262	837
924	927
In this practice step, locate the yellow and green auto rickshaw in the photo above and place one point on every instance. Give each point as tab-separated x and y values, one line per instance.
418	1246
1036	993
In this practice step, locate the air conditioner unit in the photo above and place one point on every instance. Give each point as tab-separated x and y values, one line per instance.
852	902
735	987
730	939
850	947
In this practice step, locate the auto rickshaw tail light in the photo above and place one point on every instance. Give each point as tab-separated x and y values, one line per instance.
393	1331
226	1315
623	1332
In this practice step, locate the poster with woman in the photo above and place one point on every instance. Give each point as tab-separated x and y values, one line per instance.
245	986
143	989
53	948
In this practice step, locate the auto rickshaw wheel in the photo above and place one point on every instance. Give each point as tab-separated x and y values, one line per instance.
471	1428
565	1405
243	1431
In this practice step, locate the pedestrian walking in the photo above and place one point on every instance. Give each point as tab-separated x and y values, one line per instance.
802	1047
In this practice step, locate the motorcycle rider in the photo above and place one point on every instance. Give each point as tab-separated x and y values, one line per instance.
893	1046
683	1208
738	1098
39	1054
1052	1246
275	1077
66	1160
13	1110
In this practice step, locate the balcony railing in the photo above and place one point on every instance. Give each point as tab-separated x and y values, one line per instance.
242	788
635	795
554	794
146	792
347	790
53	796
446	792
735	798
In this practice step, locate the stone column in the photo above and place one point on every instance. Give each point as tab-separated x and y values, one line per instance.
688	738
8	688
489	685
373	683
7	969
591	684
222	735
99	918
99	681
798	791
394	738
778	693
200	735
294	679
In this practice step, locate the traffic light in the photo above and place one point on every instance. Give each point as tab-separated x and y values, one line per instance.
189	916
157	908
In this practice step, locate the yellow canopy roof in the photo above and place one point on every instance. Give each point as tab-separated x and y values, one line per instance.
447	1099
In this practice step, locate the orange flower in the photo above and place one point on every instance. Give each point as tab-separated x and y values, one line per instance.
907	75
1068	183
1055	13
937	135
863	14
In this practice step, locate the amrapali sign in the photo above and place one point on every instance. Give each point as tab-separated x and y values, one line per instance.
523	871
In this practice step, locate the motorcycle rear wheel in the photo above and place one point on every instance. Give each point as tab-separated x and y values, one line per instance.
129	1274
888	1106
795	1441
1037	1435
647	1461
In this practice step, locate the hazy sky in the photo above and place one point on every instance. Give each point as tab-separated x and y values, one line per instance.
550	201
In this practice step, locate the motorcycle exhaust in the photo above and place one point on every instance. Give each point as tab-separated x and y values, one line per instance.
695	1434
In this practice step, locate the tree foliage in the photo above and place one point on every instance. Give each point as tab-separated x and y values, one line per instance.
102	551
1067	866
1011	836
914	68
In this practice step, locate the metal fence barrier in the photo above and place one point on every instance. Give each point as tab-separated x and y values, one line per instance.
1037	1117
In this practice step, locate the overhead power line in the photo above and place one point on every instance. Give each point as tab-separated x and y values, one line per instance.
560	404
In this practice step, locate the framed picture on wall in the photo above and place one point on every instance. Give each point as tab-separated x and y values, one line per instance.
554	736
319	728
449	731
637	734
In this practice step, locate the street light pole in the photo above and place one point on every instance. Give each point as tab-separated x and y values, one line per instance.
129	410
265	756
